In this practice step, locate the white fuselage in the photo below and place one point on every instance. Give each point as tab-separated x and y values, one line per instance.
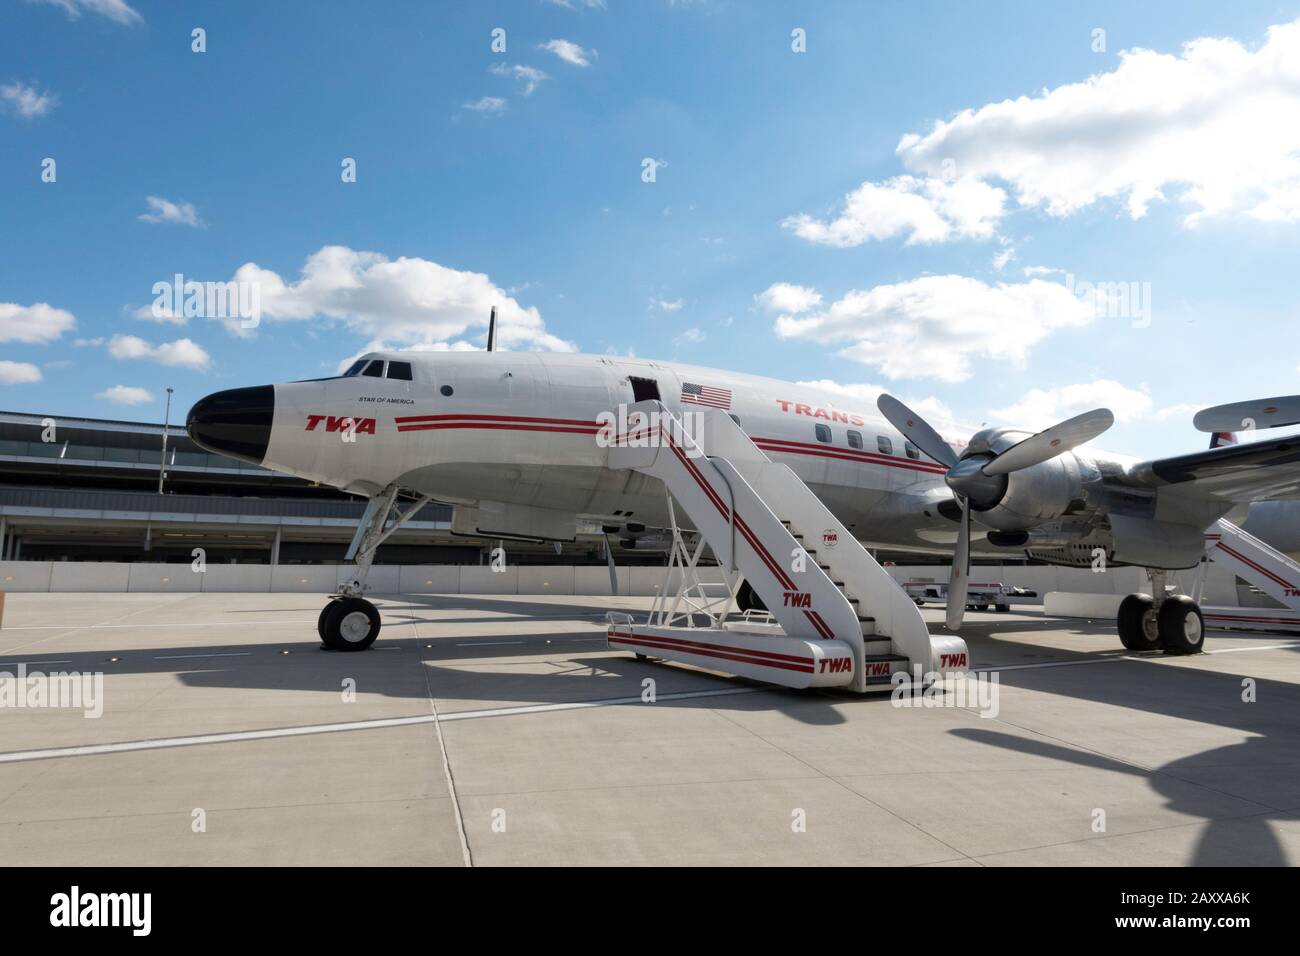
519	428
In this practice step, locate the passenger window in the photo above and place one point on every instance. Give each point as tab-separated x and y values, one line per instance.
912	451
400	371
855	439
824	433
885	445
355	368
374	370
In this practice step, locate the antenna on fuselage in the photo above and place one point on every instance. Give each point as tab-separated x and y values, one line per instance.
492	330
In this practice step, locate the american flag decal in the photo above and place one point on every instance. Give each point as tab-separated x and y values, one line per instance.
693	394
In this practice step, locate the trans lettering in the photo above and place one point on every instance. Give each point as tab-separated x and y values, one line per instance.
815	411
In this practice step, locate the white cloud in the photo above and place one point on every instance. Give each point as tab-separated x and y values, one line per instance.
413	302
126	395
164	210
933	327
569	52
34	324
529	77
927	210
668	306
18	373
572	4
1183	410
182	352
117	10
787	298
1215	125
27	101
486	104
1042	407
689	337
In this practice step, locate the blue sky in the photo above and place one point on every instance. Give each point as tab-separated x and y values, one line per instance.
1173	169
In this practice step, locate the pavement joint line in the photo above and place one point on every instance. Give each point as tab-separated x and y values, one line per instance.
1099	837
163	743
181	657
466	854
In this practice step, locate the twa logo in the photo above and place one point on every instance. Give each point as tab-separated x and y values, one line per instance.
878	669
1292	592
836	665
796	599
830	538
952	660
333	423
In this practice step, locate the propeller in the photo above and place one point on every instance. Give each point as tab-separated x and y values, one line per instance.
979	478
1244	416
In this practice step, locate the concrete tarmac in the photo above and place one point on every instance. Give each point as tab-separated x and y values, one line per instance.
499	731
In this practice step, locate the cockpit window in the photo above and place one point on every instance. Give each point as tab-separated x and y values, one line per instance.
400	371
355	368
374	370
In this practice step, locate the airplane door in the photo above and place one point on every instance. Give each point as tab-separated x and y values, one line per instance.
644	389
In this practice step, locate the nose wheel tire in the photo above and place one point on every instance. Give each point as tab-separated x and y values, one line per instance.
1182	628
1139	629
349	624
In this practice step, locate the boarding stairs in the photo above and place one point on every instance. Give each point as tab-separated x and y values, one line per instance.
835	617
1263	566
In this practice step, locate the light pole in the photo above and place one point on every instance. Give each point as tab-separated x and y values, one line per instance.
167	421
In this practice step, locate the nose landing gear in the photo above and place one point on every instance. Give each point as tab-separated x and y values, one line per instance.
349	622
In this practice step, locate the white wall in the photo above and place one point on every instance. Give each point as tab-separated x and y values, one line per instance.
18	576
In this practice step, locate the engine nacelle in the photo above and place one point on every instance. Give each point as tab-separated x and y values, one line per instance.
1031	496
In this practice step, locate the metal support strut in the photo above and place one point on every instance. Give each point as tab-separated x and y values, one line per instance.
372	531
692	597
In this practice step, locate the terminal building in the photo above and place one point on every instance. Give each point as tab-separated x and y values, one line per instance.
90	489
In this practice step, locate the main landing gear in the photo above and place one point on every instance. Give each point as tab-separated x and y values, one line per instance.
1172	623
349	622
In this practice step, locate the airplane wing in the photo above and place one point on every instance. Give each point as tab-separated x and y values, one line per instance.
1256	471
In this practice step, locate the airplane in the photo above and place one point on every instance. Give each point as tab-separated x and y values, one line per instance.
509	439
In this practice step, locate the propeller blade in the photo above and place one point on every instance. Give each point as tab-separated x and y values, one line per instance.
1245	416
960	571
916	430
613	574
1050	442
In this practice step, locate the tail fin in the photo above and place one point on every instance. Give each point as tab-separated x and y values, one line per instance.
1218	439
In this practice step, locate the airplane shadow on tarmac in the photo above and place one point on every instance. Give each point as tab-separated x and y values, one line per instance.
1263	769
1268	758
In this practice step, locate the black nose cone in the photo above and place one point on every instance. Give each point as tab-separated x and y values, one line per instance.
235	423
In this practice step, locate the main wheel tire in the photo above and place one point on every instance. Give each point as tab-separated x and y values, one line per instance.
351	624
747	599
1138	628
1182	628
1002	608
320	621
